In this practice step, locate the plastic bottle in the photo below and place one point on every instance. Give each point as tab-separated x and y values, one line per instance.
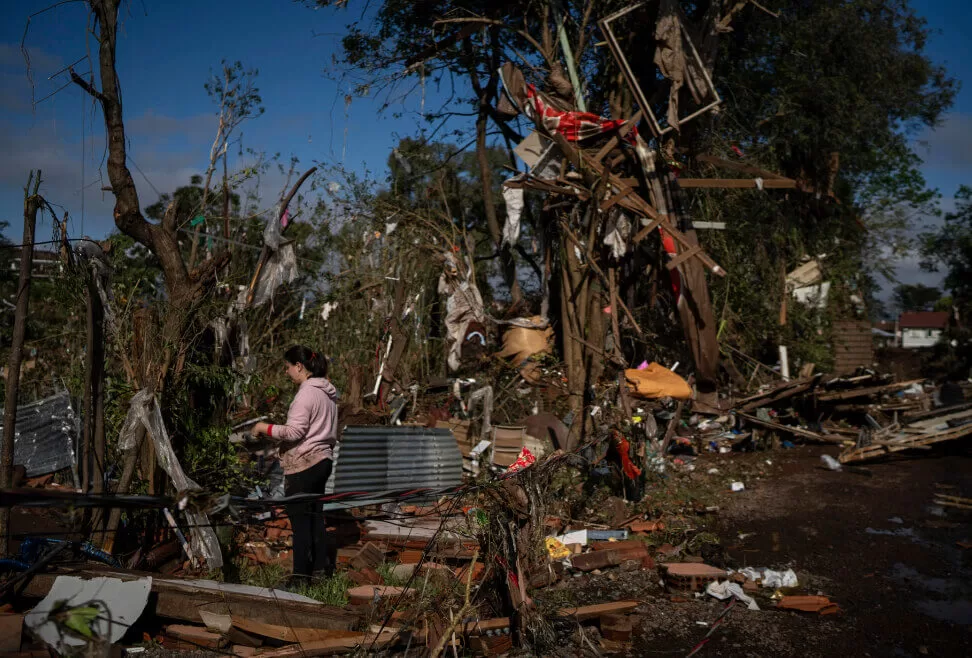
830	462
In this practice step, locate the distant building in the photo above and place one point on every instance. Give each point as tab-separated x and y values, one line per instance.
922	329
885	333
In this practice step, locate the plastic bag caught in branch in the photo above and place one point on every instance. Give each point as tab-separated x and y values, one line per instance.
280	268
272	233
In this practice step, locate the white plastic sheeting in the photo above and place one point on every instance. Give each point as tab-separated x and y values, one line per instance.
144	410
725	589
119	604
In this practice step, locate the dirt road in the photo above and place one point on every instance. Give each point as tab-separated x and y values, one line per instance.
877	545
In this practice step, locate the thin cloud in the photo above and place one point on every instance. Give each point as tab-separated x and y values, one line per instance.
949	146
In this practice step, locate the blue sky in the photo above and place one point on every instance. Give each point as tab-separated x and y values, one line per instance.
166	50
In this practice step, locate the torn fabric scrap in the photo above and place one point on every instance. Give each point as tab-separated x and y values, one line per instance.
463	306
514	209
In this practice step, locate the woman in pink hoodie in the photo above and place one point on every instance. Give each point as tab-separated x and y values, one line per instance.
306	447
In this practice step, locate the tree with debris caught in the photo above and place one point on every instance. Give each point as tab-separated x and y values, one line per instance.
949	249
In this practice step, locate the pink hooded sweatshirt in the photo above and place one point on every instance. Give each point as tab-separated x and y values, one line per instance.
310	433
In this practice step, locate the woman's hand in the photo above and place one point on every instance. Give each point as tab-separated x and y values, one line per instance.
259	429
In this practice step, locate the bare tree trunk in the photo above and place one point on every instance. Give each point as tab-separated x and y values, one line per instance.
508	263
32	203
486	95
124	483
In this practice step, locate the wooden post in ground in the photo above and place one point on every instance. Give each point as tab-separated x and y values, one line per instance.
94	398
32	203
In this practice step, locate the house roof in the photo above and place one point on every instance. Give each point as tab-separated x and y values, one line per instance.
923	320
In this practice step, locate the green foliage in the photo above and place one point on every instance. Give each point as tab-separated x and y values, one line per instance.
78	620
839	76
329	591
387	572
949	248
262	575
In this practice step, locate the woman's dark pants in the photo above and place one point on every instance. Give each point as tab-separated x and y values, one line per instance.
311	557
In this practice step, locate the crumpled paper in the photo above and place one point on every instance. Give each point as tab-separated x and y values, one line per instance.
726	589
770	578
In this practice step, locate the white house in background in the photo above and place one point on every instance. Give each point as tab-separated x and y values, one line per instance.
922	329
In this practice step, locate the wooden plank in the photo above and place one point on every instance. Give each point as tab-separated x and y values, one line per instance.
618	136
335	646
683	256
195	637
861	392
795	431
607	204
183	600
646	231
940	415
735	183
288	633
908	443
583	613
738	166
623	545
779	394
481	626
578	159
587	612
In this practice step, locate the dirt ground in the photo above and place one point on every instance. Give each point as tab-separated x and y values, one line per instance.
875	544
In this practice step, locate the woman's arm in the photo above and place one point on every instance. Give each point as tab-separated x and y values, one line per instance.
295	429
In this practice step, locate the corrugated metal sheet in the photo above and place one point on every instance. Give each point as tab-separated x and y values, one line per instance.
45	435
378	458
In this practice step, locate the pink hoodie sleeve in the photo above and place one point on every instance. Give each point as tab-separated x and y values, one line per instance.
298	419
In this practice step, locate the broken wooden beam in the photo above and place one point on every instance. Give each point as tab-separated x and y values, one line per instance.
737	183
789	429
608	557
904	443
788	390
738	166
583	613
865	392
368	641
184	599
587	612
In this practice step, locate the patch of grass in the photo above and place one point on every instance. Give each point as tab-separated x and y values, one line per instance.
387	572
330	591
262	575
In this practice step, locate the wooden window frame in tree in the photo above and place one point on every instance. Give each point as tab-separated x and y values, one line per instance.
612	41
